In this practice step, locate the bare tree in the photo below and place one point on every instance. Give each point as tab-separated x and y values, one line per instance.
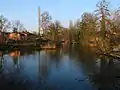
45	21
4	24
17	26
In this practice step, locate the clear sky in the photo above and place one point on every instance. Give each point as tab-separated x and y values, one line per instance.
63	10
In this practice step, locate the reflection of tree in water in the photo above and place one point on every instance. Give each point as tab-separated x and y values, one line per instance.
43	67
27	51
86	57
15	56
109	76
65	48
45	62
105	76
54	56
1	62
15	60
22	51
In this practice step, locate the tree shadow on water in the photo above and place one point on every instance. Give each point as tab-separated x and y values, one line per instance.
108	77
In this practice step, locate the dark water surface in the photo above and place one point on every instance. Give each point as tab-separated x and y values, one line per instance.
61	69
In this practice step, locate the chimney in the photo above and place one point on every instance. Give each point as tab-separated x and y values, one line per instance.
38	20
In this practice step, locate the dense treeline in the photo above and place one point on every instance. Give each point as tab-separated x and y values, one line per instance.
101	22
100	28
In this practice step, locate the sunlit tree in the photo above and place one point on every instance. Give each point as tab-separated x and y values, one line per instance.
103	14
55	30
45	21
88	26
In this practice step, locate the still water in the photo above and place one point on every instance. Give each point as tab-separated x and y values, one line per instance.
61	69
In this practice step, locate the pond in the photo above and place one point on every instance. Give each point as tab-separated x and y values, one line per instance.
66	68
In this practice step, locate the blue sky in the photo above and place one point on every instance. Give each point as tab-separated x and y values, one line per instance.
63	10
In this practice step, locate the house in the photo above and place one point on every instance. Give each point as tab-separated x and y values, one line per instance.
14	36
41	31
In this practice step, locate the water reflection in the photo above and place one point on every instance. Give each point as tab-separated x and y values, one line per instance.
109	76
15	57
67	68
43	67
1	62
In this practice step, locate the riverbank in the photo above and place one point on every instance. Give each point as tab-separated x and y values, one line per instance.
9	47
36	45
